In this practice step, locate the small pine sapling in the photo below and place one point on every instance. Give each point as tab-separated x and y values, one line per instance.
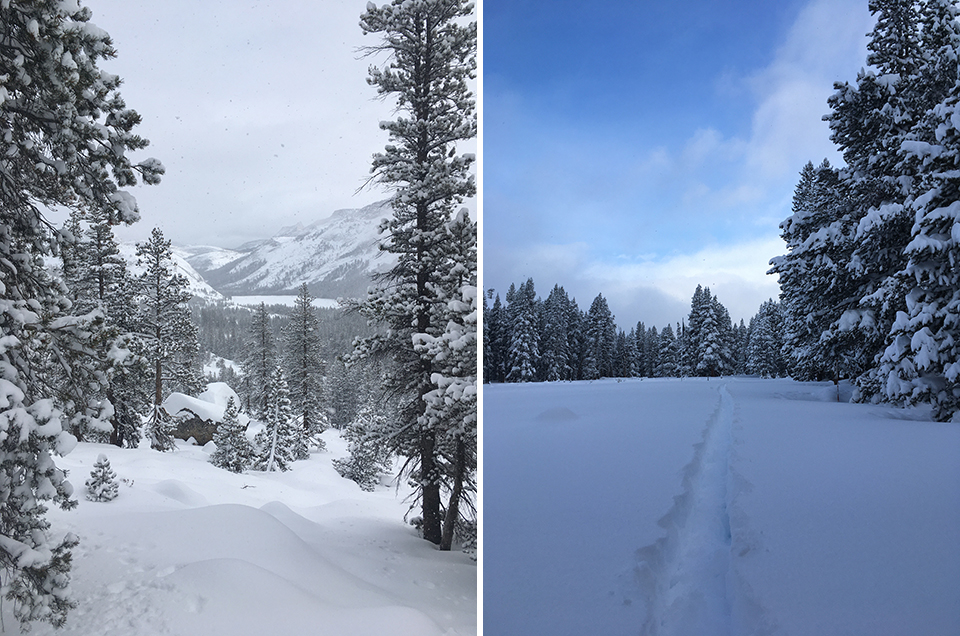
234	452
102	485
277	441
369	456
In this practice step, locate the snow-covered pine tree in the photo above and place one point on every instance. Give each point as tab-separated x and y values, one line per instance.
869	122
432	57
633	355
920	362
341	391
554	341
690	351
170	339
489	346
102	291
651	352
496	336
601	335
765	343
102	485
708	336
668	355
277	444
452	405
305	368
369	456
741	337
259	361
642	349
825	335
523	355
65	135
576	341
233	452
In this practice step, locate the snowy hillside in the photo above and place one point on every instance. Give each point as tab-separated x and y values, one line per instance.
335	256
196	285
204	258
187	548
727	507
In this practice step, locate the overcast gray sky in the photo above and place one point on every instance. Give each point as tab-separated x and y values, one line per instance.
259	111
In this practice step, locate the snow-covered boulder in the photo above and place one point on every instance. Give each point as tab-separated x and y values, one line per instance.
198	417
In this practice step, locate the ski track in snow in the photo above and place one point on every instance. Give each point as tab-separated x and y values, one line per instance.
689	576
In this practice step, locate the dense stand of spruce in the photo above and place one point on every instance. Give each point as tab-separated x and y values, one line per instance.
870	282
533	340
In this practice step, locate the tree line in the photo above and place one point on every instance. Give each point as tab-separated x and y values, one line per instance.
528	339
870	281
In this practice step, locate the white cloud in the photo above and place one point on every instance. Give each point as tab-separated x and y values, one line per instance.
655	290
827	43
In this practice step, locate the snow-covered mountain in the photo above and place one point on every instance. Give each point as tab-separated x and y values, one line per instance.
196	285
335	256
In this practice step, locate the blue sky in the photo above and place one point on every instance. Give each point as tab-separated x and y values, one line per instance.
638	148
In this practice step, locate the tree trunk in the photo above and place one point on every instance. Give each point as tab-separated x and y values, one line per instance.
430	483
453	508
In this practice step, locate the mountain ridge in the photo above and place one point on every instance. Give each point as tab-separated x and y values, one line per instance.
336	256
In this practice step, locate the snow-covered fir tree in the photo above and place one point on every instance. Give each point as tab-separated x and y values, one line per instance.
668	355
765	342
279	443
874	257
65	137
554	343
101	288
341	392
648	350
496	340
523	354
304	367
825	336
707	337
233	452
601	334
370	456
102	484
259	362
169	335
921	362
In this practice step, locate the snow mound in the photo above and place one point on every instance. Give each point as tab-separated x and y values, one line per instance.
219	393
192	550
557	414
180	492
179	402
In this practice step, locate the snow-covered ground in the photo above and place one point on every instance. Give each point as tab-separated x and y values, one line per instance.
187	548
701	507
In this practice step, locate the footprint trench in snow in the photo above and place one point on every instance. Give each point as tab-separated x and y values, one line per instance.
688	577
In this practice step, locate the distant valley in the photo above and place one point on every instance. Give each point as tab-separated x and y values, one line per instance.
336	257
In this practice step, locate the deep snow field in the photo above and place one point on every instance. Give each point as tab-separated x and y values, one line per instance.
187	548
728	506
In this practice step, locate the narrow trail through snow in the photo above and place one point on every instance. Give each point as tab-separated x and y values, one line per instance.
690	586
